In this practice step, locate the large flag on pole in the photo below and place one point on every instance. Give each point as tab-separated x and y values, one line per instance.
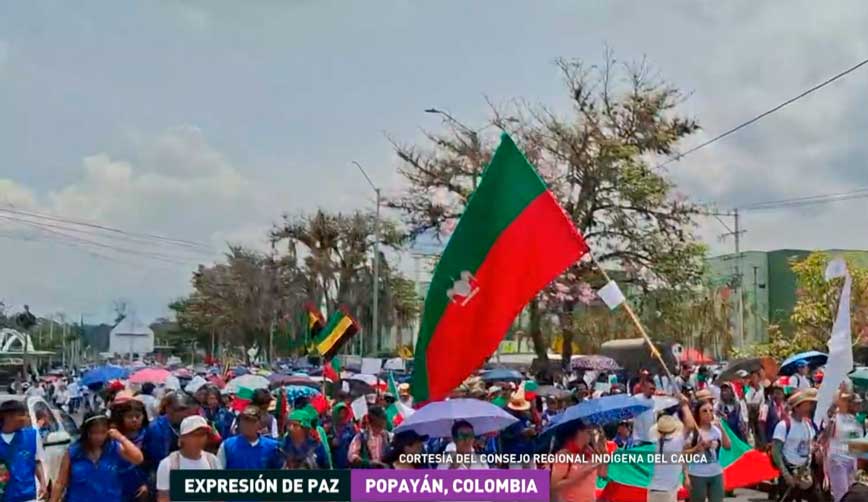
840	343
512	240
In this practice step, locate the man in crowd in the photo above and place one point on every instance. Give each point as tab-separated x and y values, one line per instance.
250	449
369	445
21	451
643	422
801	380
192	437
162	435
794	447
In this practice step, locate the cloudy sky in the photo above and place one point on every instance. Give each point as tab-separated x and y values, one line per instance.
205	120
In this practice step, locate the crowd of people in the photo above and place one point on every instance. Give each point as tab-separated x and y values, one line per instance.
132	437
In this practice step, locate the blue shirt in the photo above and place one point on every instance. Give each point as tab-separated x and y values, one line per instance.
344	436
94	481
240	454
160	440
132	476
221	419
309	450
20	459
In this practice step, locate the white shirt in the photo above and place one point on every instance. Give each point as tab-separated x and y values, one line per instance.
185	463
476	465
74	390
150	403
756	397
846	428
642	423
800	382
667	477
712	467
797	445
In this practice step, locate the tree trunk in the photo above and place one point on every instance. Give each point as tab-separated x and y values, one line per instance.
567	349
536	334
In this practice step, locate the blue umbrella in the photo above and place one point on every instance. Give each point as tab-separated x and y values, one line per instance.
294	392
601	411
813	358
436	419
240	370
103	374
502	375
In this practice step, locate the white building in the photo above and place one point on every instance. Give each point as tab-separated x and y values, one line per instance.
131	336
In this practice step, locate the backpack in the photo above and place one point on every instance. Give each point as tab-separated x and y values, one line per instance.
175	460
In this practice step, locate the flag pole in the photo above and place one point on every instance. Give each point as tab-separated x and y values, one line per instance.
635	319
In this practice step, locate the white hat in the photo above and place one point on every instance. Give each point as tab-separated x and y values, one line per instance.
193	424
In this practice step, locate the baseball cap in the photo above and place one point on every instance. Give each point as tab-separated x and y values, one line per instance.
193	424
251	412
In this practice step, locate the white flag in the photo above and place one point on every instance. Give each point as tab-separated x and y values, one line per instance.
611	295
840	344
359	407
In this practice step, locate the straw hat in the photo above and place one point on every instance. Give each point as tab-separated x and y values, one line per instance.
807	395
667	425
518	401
704	395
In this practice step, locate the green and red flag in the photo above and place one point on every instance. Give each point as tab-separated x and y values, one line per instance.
242	398
396	412
742	467
512	240
331	370
339	330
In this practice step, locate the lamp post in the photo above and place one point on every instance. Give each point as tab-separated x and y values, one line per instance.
376	314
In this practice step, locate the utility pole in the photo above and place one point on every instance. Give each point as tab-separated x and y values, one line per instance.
376	286
736	233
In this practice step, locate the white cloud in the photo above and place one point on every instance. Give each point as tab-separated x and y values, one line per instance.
179	186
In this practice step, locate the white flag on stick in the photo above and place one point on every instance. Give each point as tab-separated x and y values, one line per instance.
611	295
359	407
840	344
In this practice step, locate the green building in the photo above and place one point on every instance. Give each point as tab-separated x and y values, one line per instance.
767	284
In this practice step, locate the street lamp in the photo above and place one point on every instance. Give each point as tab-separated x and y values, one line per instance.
376	292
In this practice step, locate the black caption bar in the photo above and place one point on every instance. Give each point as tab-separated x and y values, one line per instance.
265	486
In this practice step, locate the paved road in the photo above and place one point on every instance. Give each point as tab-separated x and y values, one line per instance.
748	496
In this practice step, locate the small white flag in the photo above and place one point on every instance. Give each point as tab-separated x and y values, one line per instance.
345	386
611	295
359	407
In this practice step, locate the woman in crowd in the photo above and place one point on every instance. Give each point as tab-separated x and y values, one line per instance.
669	438
129	417
343	431
840	464
302	449
405	444
215	413
706	478
577	481
90	470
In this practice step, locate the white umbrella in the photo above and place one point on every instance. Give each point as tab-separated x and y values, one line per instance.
246	381
195	384
436	419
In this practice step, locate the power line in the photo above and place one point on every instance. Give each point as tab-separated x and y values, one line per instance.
809	199
766	113
170	240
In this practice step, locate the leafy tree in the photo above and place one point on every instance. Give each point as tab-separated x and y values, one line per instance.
598	160
810	323
332	252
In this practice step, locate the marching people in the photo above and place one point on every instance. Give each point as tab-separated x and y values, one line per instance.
303	447
577	481
643	422
192	437
733	411
163	434
369	446
706	478
92	469
21	450
405	443
802	379
250	449
128	416
342	433
215	413
794	447
840	464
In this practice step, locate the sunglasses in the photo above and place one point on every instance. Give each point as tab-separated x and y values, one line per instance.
464	436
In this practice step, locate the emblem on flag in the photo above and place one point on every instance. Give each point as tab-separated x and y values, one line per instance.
463	289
